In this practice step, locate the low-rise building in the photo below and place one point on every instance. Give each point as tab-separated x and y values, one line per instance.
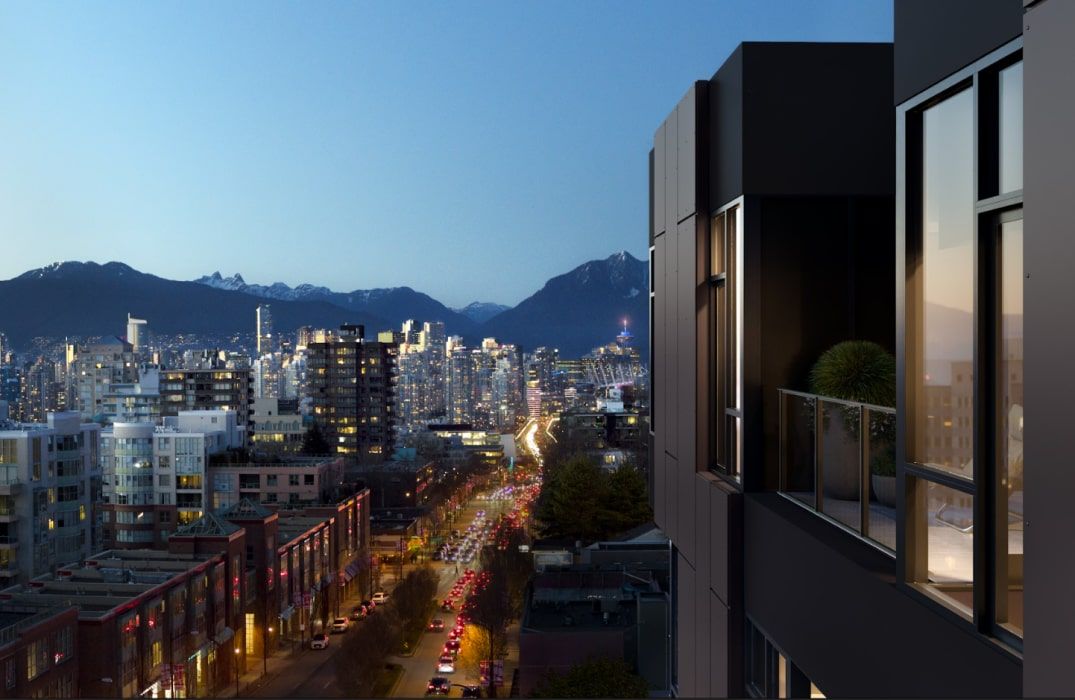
277	427
303	482
39	650
150	623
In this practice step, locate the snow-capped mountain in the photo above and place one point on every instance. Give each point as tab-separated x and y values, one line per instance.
481	311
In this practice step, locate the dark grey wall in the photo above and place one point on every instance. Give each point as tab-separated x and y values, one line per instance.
1049	180
724	124
831	604
935	38
818	119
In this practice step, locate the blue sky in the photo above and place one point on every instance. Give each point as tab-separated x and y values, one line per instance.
467	149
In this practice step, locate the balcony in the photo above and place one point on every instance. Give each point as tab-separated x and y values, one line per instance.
830	465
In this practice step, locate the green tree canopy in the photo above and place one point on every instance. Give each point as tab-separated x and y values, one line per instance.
582	501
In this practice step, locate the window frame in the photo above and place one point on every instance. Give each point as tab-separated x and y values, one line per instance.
989	207
723	343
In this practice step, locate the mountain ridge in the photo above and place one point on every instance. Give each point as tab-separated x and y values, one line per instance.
575	311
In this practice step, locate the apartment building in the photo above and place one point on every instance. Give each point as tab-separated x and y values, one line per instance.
352	385
154	480
277	427
299	482
214	385
48	480
39	650
93	368
803	566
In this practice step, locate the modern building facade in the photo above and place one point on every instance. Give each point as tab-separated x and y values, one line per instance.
92	370
352	385
217	387
833	547
48	480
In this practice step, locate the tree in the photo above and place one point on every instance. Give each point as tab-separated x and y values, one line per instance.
515	566
491	613
412	599
572	498
363	653
314	442
628	499
582	501
593	678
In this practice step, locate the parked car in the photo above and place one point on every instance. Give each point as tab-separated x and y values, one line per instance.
339	625
357	613
438	686
472	691
436	626
369	606
380	598
319	641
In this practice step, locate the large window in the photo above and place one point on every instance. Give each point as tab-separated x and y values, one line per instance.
962	410
725	320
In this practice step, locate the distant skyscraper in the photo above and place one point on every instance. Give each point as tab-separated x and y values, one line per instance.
264	330
353	393
137	333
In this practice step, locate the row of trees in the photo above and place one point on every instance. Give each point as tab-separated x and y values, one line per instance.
583	501
367	645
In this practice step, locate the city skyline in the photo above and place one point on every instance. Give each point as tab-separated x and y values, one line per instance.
436	145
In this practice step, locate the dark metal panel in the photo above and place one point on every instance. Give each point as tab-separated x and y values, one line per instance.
660	405
702	636
659	155
724	123
671	170
1049	325
935	39
831	604
671	334
686	387
839	141
719	650
687	149
687	659
652	210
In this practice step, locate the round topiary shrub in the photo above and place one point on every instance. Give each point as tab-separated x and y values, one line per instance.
856	370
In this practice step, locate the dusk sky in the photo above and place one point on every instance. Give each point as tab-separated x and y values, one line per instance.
470	150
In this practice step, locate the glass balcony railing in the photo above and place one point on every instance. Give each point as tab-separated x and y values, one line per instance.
831	464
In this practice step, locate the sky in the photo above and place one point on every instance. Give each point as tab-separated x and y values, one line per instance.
470	150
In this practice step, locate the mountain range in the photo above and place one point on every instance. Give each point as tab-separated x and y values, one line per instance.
575	312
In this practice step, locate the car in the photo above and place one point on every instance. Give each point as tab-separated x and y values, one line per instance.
452	645
453	635
369	606
319	641
472	691
438	686
357	613
446	664
448	605
436	625
340	625
380	598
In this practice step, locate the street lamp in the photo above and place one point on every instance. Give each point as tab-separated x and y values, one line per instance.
265	652
237	671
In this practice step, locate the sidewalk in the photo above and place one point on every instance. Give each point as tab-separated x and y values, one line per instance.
277	682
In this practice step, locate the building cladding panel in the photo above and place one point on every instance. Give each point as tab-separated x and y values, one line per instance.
1049	174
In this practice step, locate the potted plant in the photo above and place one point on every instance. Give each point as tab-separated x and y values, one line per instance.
864	372
883	475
